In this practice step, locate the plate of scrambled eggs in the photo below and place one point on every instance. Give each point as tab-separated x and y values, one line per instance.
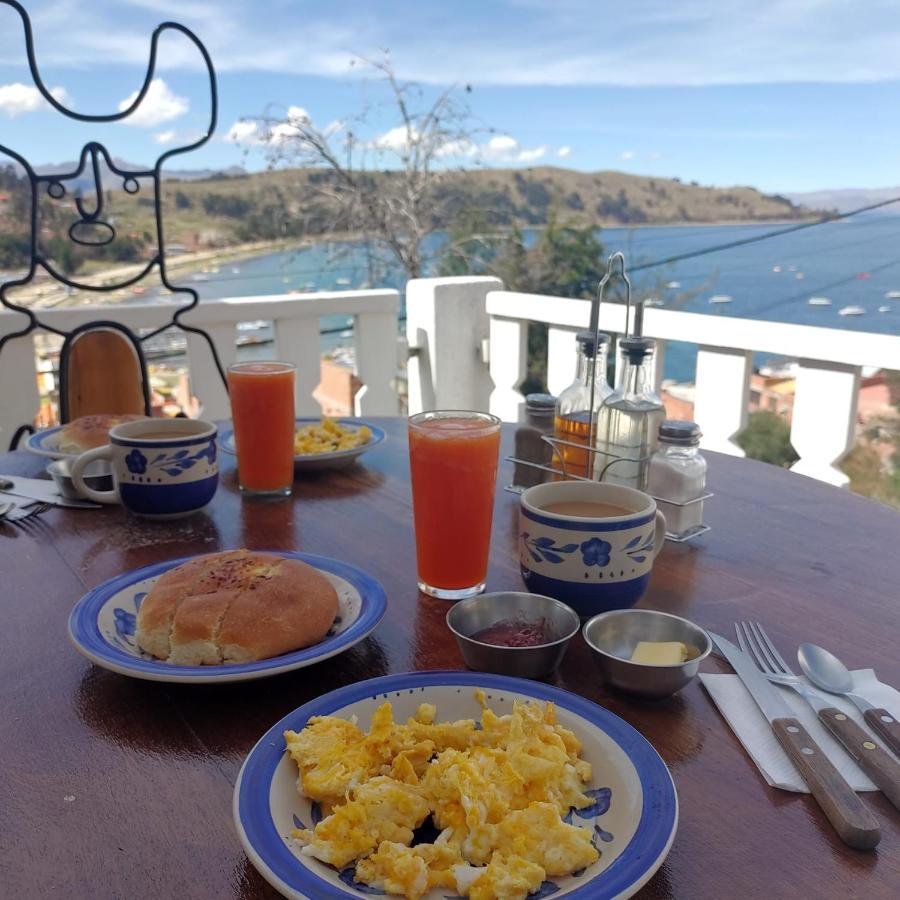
323	443
442	785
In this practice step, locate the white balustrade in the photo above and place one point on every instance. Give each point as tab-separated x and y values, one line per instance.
296	324
825	402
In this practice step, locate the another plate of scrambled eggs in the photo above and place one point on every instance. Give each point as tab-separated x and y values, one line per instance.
323	443
454	784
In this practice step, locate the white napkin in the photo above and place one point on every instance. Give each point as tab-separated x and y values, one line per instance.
755	733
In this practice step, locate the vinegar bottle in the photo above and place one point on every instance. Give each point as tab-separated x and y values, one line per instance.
572	421
628	423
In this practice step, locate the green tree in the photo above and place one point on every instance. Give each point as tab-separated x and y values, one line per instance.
767	437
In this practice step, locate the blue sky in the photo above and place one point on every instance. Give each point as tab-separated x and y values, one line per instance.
780	94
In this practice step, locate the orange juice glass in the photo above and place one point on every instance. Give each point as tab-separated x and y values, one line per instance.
453	464
262	413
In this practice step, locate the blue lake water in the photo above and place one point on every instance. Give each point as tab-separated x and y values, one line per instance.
852	263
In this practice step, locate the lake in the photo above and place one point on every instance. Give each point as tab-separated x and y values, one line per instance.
852	263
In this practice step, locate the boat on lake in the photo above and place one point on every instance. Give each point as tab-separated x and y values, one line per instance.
851	311
883	309
892	295
674	285
654	301
818	301
720	298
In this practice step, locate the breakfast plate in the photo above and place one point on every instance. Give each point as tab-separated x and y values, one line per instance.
102	625
310	462
46	442
632	821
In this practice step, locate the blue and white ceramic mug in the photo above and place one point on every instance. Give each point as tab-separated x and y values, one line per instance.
592	563
162	468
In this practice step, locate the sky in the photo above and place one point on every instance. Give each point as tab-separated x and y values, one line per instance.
783	95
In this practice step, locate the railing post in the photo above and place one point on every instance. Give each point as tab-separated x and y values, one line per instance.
297	341
509	357
375	335
560	358
206	384
447	326
823	425
722	392
19	397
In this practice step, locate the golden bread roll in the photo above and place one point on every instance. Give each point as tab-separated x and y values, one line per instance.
87	432
234	607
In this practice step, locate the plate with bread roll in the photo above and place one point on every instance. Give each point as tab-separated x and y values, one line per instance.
76	437
235	615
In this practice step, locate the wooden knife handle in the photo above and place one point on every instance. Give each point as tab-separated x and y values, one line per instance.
853	822
878	764
886	725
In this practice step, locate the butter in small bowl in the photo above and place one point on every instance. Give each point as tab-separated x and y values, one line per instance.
645	652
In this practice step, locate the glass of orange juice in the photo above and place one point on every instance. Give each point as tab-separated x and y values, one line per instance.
262	413
453	458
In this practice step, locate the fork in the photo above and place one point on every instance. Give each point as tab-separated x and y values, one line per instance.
879	765
18	515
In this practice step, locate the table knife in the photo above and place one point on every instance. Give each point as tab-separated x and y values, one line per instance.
875	761
852	820
40	489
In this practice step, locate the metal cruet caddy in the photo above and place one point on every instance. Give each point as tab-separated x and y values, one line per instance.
624	425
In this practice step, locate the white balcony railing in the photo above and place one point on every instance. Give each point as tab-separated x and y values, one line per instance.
469	339
296	339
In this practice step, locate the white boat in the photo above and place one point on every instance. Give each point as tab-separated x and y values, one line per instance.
674	285
851	311
653	301
884	309
200	276
818	301
776	268
720	298
342	281
235	270
892	295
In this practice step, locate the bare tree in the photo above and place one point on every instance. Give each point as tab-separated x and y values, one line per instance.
383	185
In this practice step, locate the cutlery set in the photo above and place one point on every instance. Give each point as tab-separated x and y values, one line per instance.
758	664
23	500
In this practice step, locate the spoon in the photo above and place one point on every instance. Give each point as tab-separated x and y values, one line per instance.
827	672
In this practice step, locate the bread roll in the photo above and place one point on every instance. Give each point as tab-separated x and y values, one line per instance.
235	607
87	432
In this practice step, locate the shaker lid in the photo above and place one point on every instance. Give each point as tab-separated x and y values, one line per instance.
540	402
636	348
680	431
586	340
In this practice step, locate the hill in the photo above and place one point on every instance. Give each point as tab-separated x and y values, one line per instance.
235	207
846	199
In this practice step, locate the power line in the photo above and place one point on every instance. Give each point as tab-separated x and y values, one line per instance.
761	237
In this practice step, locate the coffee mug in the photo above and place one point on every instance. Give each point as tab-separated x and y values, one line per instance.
162	468
594	563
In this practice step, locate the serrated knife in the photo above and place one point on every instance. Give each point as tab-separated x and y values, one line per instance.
851	818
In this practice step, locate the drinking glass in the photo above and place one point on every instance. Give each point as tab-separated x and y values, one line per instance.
262	413
453	458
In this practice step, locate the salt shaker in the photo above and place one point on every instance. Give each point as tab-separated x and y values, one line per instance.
678	475
530	444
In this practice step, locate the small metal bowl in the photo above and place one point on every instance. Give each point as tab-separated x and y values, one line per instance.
466	617
97	475
612	637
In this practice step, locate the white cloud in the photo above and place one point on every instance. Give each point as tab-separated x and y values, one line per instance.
244	132
531	155
16	98
164	137
627	154
158	106
563	152
397	140
502	145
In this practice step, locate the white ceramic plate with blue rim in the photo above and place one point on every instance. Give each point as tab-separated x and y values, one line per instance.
632	822
46	442
102	625
309	462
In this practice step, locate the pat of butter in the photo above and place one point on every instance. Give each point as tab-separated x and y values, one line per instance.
660	653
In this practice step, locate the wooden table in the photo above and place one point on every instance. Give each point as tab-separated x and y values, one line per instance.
117	788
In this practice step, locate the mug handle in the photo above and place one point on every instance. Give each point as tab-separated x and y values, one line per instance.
659	537
78	480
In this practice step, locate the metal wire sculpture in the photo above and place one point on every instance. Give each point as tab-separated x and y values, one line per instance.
91	219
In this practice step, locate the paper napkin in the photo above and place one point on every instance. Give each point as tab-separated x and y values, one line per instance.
755	733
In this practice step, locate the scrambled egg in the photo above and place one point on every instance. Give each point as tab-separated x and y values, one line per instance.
497	795
328	437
